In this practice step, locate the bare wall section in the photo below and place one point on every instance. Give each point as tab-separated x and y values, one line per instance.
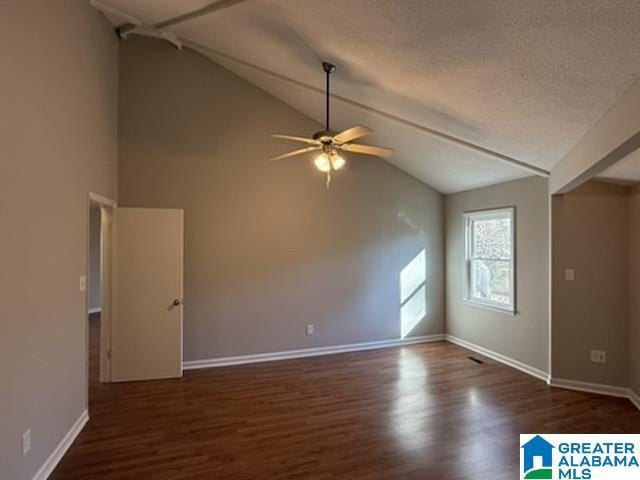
58	141
267	248
523	337
591	237
634	289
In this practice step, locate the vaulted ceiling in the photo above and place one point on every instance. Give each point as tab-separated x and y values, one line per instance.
523	80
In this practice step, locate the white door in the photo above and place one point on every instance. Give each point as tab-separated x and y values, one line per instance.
146	296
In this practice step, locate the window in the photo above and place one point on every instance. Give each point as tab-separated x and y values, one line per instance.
490	259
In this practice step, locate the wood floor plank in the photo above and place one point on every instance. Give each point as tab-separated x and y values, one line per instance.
417	412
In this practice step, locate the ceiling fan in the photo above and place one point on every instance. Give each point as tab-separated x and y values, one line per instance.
330	142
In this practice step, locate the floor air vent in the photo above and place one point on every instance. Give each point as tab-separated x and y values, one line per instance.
477	360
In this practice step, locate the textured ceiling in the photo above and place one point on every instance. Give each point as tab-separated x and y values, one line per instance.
151	12
625	171
524	78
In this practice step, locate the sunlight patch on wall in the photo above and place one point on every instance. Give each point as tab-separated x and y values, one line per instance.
413	293
413	311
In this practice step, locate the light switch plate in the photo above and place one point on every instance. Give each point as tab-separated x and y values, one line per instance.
83	283
569	275
310	329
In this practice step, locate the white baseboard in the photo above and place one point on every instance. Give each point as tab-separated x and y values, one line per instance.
357	347
635	398
307	352
57	454
588	387
498	357
597	388
95	310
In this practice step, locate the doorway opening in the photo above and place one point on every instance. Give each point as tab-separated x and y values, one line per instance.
94	293
98	282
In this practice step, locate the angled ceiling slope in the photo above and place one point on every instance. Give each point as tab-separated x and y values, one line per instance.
625	171
522	80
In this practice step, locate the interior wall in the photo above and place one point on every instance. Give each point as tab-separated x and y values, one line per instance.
268	249
591	236
58	141
634	289
525	336
94	260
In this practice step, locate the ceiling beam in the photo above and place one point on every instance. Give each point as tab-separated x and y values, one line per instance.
416	126
135	25
109	10
214	7
621	151
614	136
211	8
221	4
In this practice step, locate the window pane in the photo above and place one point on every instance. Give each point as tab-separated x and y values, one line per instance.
492	238
491	281
490	257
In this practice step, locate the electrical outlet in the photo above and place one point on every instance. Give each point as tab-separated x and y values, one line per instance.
569	275
310	329
598	356
26	442
83	283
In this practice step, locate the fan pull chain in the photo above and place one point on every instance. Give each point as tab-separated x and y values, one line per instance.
328	184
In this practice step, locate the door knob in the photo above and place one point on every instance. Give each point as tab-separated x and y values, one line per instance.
177	302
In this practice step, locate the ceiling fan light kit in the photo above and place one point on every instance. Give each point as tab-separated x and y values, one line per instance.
330	142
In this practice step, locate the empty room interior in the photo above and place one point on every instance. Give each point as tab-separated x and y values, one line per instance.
293	239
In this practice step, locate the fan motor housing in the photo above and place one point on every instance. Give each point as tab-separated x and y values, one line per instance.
325	136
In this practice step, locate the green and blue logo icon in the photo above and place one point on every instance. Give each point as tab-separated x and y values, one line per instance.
537	459
580	456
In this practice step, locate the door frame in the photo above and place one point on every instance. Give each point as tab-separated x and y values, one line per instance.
107	207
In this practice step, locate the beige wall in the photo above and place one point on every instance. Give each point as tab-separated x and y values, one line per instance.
634	290
267	248
58	141
94	291
590	236
523	337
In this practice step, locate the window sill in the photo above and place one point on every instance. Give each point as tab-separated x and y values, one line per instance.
485	306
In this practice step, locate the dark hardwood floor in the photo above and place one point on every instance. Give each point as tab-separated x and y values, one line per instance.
417	412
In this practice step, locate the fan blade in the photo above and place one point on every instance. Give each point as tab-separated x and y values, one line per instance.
366	149
296	152
310	141
352	133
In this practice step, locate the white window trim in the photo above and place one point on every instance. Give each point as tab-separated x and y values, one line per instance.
488	213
